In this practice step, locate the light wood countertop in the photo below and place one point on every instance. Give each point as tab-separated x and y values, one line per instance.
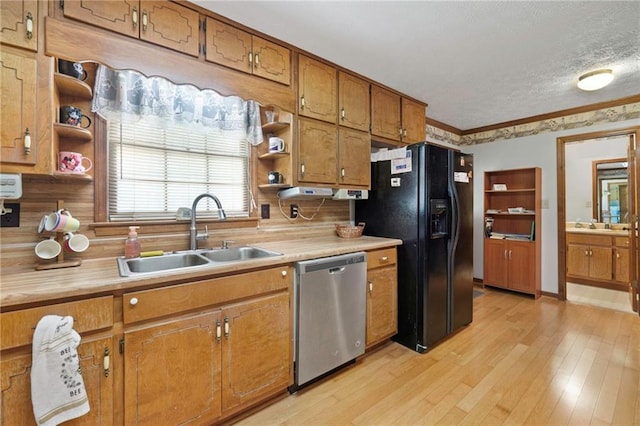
599	231
95	277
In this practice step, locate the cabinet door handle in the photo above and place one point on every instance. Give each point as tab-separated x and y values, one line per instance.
134	17
404	133
145	20
617	255
133	301
218	330
302	168
505	254
29	26
250	59
590	252
106	362
400	131
256	60
586	252
226	327
370	287
27	141
509	254
342	173
302	102
342	114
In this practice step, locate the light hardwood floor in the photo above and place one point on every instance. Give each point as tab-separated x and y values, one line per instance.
522	361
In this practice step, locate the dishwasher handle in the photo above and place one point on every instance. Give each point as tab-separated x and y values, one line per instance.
339	269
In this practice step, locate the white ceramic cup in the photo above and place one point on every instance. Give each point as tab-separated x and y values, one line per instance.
48	249
75	243
276	144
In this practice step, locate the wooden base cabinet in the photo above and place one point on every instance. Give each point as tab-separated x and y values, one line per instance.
93	352
382	296
510	264
598	259
203	357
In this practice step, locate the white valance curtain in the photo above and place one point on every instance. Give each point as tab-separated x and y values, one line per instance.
128	93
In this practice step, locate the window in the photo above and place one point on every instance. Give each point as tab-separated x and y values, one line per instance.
167	144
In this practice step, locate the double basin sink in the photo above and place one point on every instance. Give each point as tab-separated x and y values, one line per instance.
190	259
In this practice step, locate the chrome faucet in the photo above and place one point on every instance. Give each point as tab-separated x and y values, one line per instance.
193	232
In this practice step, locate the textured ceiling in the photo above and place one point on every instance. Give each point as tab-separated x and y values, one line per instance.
474	63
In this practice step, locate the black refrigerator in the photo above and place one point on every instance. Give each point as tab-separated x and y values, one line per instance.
426	200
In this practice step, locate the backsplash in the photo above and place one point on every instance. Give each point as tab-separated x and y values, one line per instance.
42	193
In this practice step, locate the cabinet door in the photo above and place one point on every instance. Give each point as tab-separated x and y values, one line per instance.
228	46
172	372
271	61
256	354
385	113
413	121
578	260
14	18
18	105
170	25
521	260
16	386
317	152
317	89
355	158
622	265
382	304
495	262
601	263
353	102
121	16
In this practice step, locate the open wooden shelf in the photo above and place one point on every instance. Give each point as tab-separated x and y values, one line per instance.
71	86
73	132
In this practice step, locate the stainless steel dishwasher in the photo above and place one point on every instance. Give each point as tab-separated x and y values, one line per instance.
329	314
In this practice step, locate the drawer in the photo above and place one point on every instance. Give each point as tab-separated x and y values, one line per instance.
160	302
88	315
622	241
596	240
383	257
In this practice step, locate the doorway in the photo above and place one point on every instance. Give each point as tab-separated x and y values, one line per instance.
631	135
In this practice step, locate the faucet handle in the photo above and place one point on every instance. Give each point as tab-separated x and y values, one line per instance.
225	243
204	235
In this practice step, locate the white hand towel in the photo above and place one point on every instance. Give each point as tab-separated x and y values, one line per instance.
57	388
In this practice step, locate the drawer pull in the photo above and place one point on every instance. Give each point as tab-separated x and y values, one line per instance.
133	301
384	258
284	273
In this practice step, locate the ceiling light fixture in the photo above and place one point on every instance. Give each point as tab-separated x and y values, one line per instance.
595	80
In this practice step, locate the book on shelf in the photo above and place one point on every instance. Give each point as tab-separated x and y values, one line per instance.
497	236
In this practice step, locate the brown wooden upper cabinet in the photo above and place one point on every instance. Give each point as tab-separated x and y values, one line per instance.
237	49
160	22
396	118
317	90
353	101
19	116
19	24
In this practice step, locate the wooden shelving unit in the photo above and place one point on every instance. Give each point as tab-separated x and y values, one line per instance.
512	241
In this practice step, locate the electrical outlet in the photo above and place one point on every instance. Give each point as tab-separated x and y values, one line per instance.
11	219
294	211
264	211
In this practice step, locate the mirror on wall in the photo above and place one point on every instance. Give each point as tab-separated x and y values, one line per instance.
610	190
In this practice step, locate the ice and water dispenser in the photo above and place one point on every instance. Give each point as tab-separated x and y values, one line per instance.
439	211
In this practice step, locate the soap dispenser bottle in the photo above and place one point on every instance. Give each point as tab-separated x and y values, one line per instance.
132	244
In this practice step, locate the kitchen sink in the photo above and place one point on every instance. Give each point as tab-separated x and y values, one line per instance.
190	259
235	254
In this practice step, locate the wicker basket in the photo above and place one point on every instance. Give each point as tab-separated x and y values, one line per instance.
348	231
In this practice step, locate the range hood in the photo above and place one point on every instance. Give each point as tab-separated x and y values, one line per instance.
305	192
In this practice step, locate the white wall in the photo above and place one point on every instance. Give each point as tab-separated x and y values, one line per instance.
531	151
578	170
